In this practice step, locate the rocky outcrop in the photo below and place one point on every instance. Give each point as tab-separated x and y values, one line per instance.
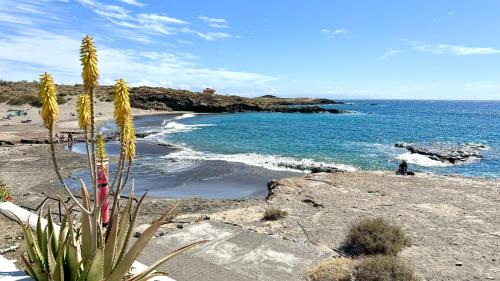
453	154
312	167
305	109
147	97
160	98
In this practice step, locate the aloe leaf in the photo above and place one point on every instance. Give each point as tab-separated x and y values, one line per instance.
132	223
58	274
51	260
123	226
86	228
35	270
41	236
94	270
73	261
129	258
125	233
51	232
34	252
109	251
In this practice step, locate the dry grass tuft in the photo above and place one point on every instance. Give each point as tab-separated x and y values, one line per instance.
374	237
385	268
339	269
274	214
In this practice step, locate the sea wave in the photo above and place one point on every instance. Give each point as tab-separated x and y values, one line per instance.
179	117
185	116
422	160
270	162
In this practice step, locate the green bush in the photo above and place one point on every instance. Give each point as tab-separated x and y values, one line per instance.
384	268
23	99
61	100
339	269
274	214
375	236
3	98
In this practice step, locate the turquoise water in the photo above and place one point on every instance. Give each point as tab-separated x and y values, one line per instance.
363	140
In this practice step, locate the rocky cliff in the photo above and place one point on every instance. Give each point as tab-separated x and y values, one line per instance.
18	93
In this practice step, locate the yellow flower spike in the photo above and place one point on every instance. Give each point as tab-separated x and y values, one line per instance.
101	148
122	103
88	59
83	110
128	138
48	95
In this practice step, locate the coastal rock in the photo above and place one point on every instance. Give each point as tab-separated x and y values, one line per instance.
312	167
306	109
156	98
453	154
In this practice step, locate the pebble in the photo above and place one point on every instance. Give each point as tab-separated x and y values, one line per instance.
458	263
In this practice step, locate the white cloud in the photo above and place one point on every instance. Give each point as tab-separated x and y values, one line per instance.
152	24
133	3
453	49
59	54
215	22
15	19
339	32
211	36
389	53
154	18
451	13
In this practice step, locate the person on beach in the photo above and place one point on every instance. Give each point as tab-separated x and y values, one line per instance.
403	168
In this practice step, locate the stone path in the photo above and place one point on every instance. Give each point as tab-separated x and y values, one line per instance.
232	253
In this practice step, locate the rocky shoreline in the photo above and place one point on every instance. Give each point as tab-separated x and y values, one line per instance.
453	154
460	211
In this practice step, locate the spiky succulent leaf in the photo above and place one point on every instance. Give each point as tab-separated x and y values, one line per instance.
128	259
88	244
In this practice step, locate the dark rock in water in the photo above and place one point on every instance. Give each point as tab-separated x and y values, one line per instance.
144	134
305	109
446	153
310	167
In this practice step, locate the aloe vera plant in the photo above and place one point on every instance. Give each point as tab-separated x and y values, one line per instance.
86	250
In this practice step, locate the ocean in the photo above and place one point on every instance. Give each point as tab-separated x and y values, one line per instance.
269	144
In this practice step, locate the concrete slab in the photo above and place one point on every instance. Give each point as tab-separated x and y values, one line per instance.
232	254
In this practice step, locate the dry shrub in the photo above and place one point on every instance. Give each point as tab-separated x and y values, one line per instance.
274	214
375	236
385	268
339	269
23	99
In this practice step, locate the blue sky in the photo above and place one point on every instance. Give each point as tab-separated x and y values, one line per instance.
339	49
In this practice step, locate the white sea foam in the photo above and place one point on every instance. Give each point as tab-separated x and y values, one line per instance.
185	116
266	161
421	160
